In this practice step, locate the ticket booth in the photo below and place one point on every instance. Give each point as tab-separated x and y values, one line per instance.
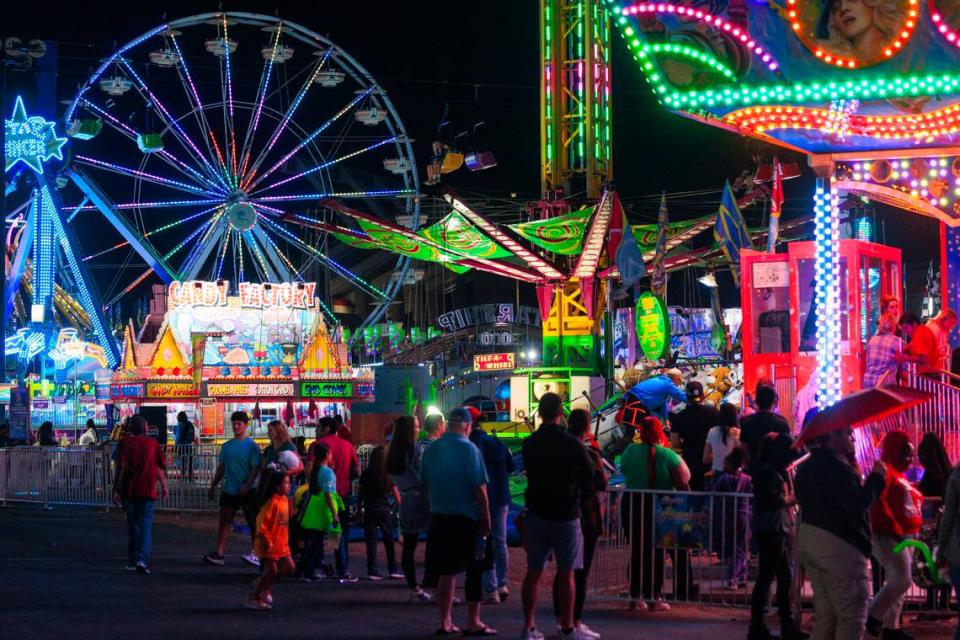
779	309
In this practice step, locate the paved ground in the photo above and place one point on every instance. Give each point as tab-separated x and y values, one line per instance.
61	576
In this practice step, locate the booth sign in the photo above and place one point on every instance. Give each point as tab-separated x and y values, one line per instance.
327	389
133	391
653	326
249	390
494	361
171	390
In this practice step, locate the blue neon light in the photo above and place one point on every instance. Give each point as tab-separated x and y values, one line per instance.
30	139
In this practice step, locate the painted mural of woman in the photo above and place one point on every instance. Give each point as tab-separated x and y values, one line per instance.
859	29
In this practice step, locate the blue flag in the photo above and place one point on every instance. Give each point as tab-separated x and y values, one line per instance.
627	254
730	231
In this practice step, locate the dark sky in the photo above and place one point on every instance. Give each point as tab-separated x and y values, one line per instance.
482	58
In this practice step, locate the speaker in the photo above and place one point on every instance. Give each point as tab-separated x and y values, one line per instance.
156	417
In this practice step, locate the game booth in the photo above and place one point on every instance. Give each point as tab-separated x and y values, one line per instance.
266	350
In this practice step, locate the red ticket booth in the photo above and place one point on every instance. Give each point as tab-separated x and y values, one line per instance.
779	310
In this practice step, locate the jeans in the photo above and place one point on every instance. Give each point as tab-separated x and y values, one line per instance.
888	602
774	564
139	529
496	578
312	558
374	522
841	586
955	579
342	553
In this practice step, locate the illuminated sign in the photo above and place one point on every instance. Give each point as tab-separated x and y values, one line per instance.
30	139
128	390
326	389
249	390
171	390
363	390
297	295
5	393
494	361
653	326
197	293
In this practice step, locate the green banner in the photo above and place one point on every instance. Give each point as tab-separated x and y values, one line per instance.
653	326
562	234
456	232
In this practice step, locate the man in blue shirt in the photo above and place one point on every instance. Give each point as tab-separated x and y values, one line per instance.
237	468
499	463
459	535
653	392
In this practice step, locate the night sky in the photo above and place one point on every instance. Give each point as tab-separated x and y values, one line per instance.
482	59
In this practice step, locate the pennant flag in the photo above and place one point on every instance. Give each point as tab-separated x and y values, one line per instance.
658	281
776	205
627	254
730	231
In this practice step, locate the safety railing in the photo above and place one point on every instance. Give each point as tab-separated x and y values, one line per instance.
680	546
696	547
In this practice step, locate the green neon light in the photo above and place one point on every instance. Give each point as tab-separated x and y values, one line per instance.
645	49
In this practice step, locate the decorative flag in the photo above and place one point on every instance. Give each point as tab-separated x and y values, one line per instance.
623	245
288	414
658	281
312	410
730	231
776	205
256	411
198	343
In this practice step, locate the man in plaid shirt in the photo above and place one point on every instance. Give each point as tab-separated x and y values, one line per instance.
885	356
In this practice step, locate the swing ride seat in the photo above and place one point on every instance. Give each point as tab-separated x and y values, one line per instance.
84	128
480	160
150	142
452	160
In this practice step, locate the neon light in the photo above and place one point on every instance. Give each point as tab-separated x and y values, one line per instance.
952	36
851	63
645	49
386	193
827	264
141	174
712	20
30	139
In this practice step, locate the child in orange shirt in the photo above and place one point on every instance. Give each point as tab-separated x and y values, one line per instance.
272	541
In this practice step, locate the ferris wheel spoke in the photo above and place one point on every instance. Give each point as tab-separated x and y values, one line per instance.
329	163
230	138
159	204
165	155
147	234
343	271
172	125
251	183
265	74
276	252
266	270
294	105
141	175
193	96
211	230
346	195
224	243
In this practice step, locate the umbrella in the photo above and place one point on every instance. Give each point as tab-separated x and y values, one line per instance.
862	407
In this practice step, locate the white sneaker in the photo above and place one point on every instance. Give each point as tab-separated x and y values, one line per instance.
659	605
531	634
250	558
575	634
268	598
420	596
582	628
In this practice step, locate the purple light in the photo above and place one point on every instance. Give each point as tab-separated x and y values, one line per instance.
142	174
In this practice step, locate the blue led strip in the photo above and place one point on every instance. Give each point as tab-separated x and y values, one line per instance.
44	253
827	264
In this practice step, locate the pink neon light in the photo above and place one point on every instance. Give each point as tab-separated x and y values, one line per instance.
951	35
711	20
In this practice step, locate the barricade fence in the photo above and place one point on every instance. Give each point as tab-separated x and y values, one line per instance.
697	547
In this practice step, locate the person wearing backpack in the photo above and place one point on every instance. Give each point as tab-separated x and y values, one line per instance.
318	509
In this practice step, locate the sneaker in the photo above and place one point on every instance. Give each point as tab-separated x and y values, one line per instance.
268	598
396	575
491	598
531	634
347	579
575	634
142	569
251	559
457	600
504	593
214	558
638	605
130	567
257	605
582	628
376	577
659	605
420	596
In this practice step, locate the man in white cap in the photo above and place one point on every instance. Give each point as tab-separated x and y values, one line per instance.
654	391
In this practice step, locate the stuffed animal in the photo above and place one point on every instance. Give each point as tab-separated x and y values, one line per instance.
723	382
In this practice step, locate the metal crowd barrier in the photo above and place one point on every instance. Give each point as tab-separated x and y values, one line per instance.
696	547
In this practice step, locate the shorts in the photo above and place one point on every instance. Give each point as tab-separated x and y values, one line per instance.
563	538
451	543
233	501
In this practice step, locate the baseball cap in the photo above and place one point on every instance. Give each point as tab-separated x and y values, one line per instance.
695	391
461	415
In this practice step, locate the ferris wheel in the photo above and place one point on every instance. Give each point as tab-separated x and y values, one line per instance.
204	140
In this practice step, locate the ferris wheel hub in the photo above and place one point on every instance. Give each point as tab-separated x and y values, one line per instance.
242	216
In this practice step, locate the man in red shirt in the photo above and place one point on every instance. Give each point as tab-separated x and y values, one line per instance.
346	467
139	467
922	344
